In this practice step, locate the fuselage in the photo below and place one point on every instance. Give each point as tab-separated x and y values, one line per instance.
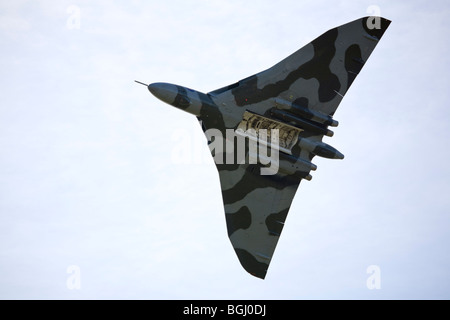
203	107
180	97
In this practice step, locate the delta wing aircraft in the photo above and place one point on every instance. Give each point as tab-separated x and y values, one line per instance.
293	104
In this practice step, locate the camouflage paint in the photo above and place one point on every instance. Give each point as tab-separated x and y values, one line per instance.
302	92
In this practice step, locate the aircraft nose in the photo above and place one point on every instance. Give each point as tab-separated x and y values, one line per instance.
164	91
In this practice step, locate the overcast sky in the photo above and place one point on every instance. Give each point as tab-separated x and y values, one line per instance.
107	193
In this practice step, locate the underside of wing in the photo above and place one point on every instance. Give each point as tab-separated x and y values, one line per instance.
256	194
316	76
256	207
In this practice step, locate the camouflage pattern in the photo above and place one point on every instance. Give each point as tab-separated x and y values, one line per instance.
300	94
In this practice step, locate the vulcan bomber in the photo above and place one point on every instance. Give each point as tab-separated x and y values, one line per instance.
286	111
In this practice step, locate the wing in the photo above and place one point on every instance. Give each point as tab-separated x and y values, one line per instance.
256	207
298	96
318	75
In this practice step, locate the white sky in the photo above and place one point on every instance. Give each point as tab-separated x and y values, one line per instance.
89	173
